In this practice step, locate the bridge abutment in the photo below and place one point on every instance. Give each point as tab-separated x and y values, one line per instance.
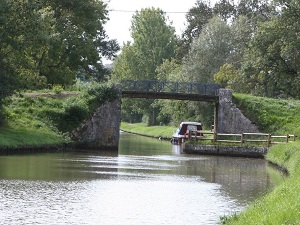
102	130
229	118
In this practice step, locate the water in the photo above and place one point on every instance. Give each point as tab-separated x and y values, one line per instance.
147	182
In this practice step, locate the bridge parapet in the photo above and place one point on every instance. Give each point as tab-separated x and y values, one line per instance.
170	87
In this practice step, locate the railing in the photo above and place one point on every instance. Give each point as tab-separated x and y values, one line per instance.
170	87
268	139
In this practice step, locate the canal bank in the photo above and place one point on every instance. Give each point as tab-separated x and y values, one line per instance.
279	206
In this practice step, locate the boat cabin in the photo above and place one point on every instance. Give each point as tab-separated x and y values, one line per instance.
183	132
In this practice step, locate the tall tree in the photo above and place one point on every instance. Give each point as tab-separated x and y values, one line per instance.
208	52
271	65
51	41
17	23
196	19
153	41
225	9
78	40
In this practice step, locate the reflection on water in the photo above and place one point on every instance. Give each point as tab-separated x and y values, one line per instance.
147	182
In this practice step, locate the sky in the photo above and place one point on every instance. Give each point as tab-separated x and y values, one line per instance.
118	27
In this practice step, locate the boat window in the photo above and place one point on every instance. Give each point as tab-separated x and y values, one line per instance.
192	128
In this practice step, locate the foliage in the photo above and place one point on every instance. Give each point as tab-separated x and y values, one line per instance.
208	52
49	42
153	41
272	60
58	89
196	18
52	114
228	77
271	115
97	94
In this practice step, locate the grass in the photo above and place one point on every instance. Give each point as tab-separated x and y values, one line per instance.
28	137
46	118
164	132
282	205
276	116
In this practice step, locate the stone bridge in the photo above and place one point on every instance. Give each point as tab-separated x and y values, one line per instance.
102	130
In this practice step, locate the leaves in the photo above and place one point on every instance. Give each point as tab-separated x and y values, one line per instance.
49	42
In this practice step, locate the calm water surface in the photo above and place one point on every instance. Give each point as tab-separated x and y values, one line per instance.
147	182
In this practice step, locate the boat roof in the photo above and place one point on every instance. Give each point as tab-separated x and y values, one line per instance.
191	123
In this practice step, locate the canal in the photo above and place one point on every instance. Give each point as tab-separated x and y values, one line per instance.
147	182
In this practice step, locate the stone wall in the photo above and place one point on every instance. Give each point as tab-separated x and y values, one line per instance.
102	130
230	118
240	151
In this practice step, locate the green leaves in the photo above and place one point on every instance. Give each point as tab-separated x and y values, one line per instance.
153	41
48	42
208	52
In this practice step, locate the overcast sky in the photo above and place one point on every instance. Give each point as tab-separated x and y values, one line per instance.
118	27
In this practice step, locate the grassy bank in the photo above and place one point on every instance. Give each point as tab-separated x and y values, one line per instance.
281	205
15	137
275	116
164	132
45	119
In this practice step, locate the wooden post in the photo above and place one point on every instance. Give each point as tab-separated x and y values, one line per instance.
269	140
242	138
215	137
287	138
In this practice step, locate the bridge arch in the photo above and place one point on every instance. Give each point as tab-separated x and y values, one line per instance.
173	90
227	117
102	129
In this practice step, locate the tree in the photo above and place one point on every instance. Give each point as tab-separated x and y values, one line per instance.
225	9
208	52
78	41
229	77
15	27
153	41
271	65
51	41
196	19
256	10
170	70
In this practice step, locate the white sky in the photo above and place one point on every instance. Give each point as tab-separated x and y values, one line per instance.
118	27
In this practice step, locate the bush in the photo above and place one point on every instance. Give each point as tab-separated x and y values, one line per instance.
98	94
74	112
58	89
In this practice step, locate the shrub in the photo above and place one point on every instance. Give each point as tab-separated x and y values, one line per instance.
98	94
58	89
